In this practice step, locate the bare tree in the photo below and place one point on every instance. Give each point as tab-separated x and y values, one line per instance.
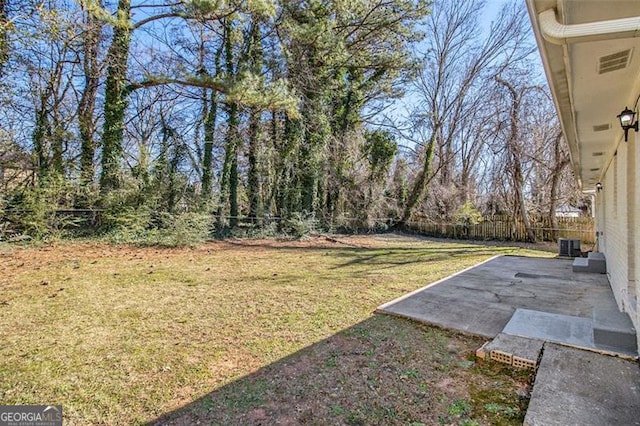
450	88
514	152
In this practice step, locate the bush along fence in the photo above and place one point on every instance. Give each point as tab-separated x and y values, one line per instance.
88	222
505	228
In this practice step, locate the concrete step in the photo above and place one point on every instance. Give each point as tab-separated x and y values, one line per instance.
613	329
595	255
550	327
581	264
598	266
594	265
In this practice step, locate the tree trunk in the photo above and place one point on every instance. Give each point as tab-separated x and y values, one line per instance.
57	145
207	157
513	149
4	37
285	188
40	145
87	104
420	185
254	181
314	140
229	178
161	167
518	183
273	176
209	133
561	160
172	190
229	175
234	210
115	99
254	187
346	111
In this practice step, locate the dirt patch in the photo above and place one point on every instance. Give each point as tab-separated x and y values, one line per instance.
384	370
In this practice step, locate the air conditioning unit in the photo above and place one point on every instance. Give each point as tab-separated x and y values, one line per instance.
568	247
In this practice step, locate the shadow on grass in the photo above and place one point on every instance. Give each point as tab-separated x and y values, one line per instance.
326	242
387	257
406	256
384	370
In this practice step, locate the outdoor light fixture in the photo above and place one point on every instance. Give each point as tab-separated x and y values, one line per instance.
598	186
628	121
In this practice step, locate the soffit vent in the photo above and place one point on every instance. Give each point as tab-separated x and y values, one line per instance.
594	170
597	154
614	62
601	127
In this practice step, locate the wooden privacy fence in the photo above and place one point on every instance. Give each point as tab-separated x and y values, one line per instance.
505	228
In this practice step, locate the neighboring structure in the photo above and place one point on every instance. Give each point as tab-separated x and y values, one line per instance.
15	170
568	211
591	54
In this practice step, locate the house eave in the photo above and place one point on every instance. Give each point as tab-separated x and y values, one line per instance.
559	90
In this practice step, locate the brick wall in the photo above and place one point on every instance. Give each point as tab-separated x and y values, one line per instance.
619	218
634	198
632	228
615	229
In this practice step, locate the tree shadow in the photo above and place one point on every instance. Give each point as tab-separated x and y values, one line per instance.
400	256
384	257
325	242
384	370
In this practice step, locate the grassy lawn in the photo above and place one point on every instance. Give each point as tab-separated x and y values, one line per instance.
242	332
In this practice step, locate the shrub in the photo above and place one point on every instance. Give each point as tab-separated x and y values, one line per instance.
468	215
32	211
189	229
299	225
146	228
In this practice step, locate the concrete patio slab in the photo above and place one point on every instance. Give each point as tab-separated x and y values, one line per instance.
468	314
576	387
481	300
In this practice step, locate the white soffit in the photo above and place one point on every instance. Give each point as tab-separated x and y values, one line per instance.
588	99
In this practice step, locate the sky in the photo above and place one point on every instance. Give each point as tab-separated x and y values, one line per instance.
491	11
